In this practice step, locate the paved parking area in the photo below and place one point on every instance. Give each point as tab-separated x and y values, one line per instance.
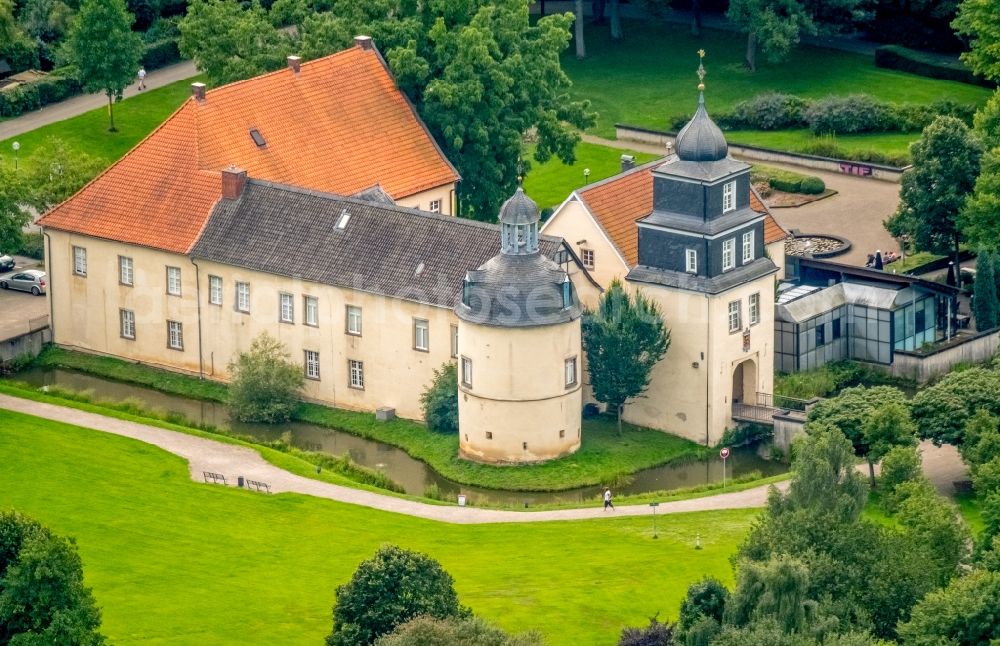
17	308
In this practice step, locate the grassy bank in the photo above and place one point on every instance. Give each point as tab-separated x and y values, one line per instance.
172	561
626	84
604	458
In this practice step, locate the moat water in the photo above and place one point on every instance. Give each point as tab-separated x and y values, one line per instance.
413	475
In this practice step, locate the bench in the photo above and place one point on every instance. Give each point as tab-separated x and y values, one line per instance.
259	486
215	478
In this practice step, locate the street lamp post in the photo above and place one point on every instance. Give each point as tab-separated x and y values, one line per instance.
586	175
16	146
654	505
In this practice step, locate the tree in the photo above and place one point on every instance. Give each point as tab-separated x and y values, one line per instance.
933	193
265	383
42	596
470	631
228	42
853	410
705	598
932	524
889	426
986	122
655	634
775	26
616	20
986	305
776	590
481	76
964	613
980	216
981	442
942	410
13	217
624	339
901	464
581	47
440	400
388	590
56	173
976	20
104	49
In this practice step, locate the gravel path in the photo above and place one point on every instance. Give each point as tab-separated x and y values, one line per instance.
209	455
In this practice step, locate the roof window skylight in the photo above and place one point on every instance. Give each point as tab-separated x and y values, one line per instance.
257	137
344	218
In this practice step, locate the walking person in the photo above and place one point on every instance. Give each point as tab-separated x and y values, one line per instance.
142	78
607	500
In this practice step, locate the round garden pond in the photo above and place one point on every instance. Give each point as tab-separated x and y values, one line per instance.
816	245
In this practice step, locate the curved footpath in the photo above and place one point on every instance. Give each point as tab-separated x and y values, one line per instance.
209	455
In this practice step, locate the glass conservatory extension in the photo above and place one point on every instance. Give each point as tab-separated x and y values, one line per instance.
862	321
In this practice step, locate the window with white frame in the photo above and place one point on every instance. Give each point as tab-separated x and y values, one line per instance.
311	307
354	320
435	206
421	335
126	275
127	318
734	316
747	247
754	309
80	261
286	304
467	372
215	290
312	364
691	261
454	341
569	372
243	296
174	281
356	370
175	335
587	257
728	254
728	196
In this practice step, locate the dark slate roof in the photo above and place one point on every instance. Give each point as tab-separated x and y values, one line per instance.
700	140
519	209
375	194
518	291
716	285
388	250
711	227
704	171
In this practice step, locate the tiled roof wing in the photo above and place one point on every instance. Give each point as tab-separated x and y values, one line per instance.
292	232
339	126
619	202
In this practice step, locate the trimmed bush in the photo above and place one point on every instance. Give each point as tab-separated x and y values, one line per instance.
32	96
770	111
786	184
161	53
812	185
897	57
850	114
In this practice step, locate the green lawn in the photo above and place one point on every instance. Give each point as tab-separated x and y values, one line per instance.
552	182
603	459
176	562
135	118
650	77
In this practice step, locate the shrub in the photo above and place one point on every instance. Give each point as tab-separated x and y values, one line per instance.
440	400
812	185
386	591
32	245
265	386
655	634
896	57
744	434
472	631
770	111
847	114
706	598
161	53
32	96
901	464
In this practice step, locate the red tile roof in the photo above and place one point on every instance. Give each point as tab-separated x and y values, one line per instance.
617	203
339	126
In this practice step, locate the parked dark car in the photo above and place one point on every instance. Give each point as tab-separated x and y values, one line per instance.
6	264
30	280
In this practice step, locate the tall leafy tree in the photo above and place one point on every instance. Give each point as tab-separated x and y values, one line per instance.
941	411
624	339
13	217
888	427
986	122
229	42
986	305
56	172
963	613
105	50
977	21
945	165
980	217
480	74
42	596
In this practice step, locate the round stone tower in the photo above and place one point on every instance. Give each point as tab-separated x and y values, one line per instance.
519	350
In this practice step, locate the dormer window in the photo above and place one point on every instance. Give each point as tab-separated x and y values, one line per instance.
729	196
567	293
467	292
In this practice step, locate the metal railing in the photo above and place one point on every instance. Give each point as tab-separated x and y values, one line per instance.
780	401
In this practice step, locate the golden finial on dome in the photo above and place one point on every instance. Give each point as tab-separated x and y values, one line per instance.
701	70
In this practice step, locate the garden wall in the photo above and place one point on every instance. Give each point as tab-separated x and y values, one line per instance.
845	166
923	366
30	343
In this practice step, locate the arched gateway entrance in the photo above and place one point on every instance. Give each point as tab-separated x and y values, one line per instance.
745	382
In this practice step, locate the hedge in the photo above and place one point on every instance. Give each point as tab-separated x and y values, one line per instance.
161	53
897	57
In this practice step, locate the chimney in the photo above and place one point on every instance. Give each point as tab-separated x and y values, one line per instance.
364	42
294	63
233	181
198	92
628	162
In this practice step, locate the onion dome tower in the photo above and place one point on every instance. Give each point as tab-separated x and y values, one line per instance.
519	350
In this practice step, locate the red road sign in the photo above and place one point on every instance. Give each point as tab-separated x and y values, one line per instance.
724	453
